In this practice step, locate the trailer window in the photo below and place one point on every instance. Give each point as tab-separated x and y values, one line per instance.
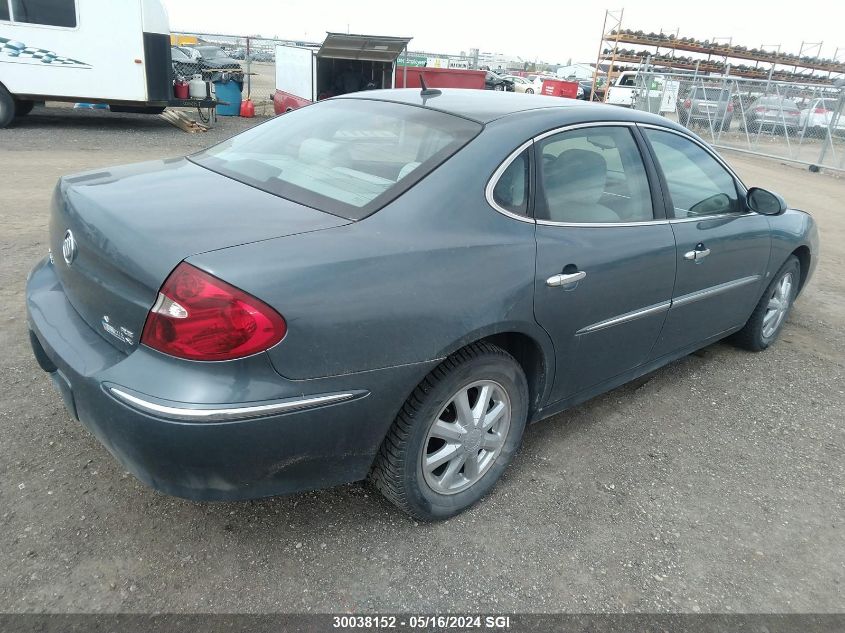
47	12
348	157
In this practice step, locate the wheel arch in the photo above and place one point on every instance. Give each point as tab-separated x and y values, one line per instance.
533	350
805	260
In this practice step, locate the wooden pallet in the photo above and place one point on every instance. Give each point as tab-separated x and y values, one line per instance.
183	121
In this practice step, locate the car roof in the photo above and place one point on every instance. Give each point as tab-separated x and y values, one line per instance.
485	106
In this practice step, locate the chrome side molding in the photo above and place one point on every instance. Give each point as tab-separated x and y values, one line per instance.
713	290
624	318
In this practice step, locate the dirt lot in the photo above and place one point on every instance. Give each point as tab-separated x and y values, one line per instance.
717	484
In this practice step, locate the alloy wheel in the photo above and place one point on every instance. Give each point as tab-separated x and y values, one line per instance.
466	437
778	305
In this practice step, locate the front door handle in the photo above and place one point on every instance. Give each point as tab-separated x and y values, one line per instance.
700	252
564	280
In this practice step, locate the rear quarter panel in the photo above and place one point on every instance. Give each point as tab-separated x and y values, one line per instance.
435	269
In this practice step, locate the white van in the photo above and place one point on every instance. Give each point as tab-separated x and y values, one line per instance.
96	51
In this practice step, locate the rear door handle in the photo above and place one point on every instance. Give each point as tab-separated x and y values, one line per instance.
564	280
700	252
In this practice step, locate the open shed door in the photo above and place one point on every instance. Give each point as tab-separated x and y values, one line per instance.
295	71
373	48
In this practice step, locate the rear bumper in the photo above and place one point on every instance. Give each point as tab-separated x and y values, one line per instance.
213	431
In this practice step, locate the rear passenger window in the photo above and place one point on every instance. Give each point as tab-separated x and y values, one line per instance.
47	12
511	191
593	175
698	184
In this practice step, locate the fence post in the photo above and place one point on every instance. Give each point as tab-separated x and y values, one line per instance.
834	120
248	71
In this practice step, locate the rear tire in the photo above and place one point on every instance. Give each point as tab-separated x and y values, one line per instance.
772	310
22	108
446	450
7	107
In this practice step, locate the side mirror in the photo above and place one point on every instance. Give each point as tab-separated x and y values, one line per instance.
764	202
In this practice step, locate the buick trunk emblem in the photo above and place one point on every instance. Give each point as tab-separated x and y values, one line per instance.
69	248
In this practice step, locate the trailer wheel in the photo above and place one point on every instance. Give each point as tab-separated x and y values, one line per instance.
7	107
22	107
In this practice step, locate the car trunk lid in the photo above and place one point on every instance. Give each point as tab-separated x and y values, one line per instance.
123	230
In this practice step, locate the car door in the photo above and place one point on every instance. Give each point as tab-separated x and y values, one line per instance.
605	259
722	249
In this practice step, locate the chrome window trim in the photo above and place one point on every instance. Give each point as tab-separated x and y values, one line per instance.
494	180
625	318
600	224
707	218
244	412
714	290
576	126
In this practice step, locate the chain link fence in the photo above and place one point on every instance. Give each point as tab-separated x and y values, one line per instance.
800	122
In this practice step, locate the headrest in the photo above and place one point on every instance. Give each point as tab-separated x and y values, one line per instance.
577	176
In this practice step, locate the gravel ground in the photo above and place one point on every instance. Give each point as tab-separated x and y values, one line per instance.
714	485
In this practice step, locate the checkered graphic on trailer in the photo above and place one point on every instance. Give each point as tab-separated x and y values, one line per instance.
22	52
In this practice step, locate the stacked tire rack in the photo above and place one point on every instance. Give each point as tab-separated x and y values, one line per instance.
712	57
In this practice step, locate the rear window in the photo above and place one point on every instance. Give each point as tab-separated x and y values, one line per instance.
348	157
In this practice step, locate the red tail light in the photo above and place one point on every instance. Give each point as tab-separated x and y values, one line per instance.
200	317
687	104
821	111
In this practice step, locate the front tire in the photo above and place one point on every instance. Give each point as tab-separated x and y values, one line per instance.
7	107
455	435
529	91
770	314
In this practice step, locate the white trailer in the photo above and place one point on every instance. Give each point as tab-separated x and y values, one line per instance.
342	63
96	51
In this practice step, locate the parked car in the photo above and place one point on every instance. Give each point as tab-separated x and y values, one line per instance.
707	106
538	80
185	68
492	81
586	89
216	57
282	312
815	119
188	51
520	84
775	114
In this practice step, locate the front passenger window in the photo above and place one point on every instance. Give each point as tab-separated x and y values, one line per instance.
698	184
